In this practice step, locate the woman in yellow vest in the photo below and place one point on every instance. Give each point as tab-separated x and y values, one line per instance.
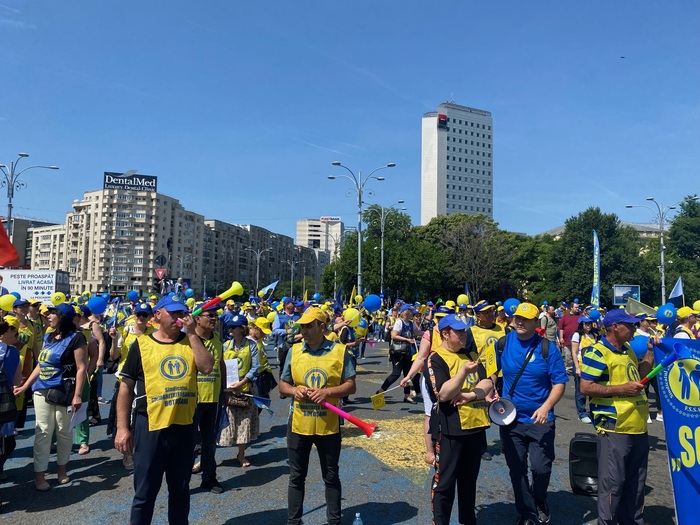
581	340
458	385
244	421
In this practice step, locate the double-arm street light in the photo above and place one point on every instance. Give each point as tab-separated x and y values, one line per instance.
662	215
258	255
359	182
382	213
11	176
182	259
337	239
291	264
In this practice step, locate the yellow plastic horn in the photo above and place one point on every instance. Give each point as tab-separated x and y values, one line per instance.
236	289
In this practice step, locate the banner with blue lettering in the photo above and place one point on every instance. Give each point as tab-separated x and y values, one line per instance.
595	292
679	386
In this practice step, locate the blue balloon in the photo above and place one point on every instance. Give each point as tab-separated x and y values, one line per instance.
105	296
97	305
133	296
372	303
16	295
639	345
594	314
189	292
317	297
666	314
362	323
510	305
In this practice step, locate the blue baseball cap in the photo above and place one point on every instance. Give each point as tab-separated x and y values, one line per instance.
142	308
444	310
86	312
20	302
451	321
171	303
429	303
408	307
618	316
237	320
65	309
482	306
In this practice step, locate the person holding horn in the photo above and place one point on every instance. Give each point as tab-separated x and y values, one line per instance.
316	370
457	385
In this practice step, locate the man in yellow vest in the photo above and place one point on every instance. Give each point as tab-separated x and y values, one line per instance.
686	323
208	392
161	372
610	375
316	370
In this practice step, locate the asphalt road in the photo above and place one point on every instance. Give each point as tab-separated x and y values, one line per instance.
384	477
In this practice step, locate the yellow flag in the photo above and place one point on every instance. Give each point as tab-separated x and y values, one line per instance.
378	401
352	295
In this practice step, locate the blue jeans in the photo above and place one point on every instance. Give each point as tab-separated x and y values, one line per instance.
579	397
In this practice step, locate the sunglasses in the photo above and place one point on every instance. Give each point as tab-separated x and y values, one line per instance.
211	316
143	314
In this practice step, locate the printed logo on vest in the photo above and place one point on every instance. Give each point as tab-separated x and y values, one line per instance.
315	378
173	367
632	373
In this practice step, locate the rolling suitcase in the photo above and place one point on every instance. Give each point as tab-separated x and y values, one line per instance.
583	464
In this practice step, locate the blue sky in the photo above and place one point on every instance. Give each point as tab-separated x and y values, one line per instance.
239	108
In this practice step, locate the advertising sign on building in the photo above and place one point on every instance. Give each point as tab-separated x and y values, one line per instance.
330	219
622	292
130	181
36	285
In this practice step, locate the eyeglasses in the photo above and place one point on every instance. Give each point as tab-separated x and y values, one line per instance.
143	314
211	316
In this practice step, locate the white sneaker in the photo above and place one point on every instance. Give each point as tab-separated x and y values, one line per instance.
649	420
586	419
660	417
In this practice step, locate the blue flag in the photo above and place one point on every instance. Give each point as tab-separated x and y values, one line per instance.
339	295
679	387
270	287
676	295
595	292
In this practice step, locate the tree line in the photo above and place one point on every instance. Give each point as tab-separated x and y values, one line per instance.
436	260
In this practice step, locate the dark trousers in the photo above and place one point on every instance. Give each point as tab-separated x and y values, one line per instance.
299	450
206	418
401	364
579	397
523	441
458	460
169	452
622	473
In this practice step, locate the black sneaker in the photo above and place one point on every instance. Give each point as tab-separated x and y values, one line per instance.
486	456
526	521
543	512
212	486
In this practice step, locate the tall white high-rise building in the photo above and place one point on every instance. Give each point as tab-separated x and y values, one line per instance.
456	162
320	234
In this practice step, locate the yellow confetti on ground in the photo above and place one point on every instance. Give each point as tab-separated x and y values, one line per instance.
398	443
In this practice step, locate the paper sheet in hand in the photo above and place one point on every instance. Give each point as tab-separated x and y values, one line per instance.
78	416
231	371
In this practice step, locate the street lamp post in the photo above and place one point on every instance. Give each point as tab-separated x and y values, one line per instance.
337	239
383	212
182	259
662	215
258	255
359	183
11	175
291	264
111	245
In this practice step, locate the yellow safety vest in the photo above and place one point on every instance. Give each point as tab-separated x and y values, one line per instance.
486	340
209	385
684	329
262	358
473	414
308	418
244	358
128	338
631	411
170	378
435	340
332	336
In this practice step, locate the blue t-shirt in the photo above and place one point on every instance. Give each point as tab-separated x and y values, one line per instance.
9	360
534	386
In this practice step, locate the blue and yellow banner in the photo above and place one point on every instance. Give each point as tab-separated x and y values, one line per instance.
595	292
679	386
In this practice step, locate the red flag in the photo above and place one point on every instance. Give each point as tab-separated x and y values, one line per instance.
8	254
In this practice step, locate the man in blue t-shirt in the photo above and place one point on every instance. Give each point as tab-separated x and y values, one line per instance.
538	389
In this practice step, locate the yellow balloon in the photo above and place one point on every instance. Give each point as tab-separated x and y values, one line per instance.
87	294
696	305
6	302
190	302
58	298
261	294
324	307
271	316
462	299
352	315
358	298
